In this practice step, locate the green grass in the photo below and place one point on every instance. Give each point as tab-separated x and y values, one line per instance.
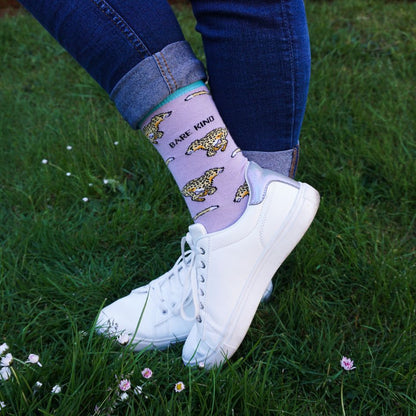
348	289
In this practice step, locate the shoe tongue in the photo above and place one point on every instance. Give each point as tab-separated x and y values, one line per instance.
196	231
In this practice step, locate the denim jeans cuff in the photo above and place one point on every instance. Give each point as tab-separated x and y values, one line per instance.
155	78
283	161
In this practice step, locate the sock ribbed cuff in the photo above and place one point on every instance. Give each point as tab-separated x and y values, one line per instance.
171	97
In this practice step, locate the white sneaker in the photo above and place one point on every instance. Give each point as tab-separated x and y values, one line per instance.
234	266
155	315
158	314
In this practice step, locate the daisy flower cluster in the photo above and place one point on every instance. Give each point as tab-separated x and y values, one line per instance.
124	390
7	371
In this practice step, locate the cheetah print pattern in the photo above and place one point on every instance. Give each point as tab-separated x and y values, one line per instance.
151	130
242	192
212	142
197	189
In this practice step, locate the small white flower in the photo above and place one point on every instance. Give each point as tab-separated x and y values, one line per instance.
123	339
7	360
69	147
44	161
37	387
34	359
3	348
56	389
68	174
124	396
179	386
85	199
90	184
2	405
5	373
105	181
138	390
115	143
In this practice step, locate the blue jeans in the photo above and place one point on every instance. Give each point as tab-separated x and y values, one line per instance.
258	58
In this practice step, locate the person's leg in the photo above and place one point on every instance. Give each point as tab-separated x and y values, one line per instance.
136	52
121	45
258	61
227	269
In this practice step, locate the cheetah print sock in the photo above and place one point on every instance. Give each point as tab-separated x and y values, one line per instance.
208	167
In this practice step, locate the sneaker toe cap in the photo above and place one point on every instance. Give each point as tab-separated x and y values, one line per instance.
125	315
198	353
144	321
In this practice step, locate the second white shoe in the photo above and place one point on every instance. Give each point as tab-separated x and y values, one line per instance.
233	267
154	315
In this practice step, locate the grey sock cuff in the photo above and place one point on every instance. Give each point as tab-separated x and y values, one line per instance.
283	161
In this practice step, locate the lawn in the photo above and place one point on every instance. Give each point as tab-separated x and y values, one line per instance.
89	212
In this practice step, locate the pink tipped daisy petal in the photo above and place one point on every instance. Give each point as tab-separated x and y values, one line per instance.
347	364
147	373
34	359
124	385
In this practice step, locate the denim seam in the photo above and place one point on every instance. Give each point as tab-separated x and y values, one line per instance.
169	71
123	27
292	69
162	71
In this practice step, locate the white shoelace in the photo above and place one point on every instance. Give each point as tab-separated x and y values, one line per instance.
191	279
183	276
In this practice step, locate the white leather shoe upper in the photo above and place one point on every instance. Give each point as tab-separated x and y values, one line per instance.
234	266
200	299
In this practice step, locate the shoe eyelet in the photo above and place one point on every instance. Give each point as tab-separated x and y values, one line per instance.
164	311
201	305
202	250
202	280
202	265
201	292
199	319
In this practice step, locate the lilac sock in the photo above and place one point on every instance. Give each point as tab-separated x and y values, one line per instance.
207	165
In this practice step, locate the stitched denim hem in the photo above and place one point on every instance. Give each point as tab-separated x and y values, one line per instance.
154	79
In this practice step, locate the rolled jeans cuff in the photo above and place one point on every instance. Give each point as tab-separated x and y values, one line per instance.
284	162
155	78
